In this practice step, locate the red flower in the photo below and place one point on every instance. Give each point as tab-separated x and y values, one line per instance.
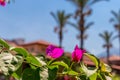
54	52
2	2
77	54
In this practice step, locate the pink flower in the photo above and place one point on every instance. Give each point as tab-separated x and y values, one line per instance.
66	77
2	2
77	54
54	52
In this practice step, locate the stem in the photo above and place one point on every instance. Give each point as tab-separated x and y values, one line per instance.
71	65
50	61
32	64
3	49
60	73
7	77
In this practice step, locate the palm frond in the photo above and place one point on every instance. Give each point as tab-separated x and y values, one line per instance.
115	37
106	36
119	16
110	34
114	14
73	25
95	1
89	25
74	2
102	36
84	3
79	3
54	16
61	18
112	20
116	19
68	16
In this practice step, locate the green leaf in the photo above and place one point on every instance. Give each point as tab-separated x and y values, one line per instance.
32	66
87	71
93	77
21	51
33	61
52	66
31	74
94	59
83	77
60	63
66	60
3	43
101	76
52	71
18	74
17	77
72	73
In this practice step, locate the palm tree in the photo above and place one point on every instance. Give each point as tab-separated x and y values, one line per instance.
107	37
61	18
83	10
82	36
116	20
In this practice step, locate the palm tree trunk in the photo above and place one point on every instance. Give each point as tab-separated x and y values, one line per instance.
60	38
119	42
81	27
82	41
108	54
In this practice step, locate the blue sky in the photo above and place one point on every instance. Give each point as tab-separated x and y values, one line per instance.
31	20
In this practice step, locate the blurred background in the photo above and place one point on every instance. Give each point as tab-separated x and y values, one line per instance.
93	25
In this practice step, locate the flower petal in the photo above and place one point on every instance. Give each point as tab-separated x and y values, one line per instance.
2	3
49	49
57	52
76	47
77	54
54	52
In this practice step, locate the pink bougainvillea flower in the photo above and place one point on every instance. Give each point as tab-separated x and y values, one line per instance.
66	77
2	2
54	52
77	54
